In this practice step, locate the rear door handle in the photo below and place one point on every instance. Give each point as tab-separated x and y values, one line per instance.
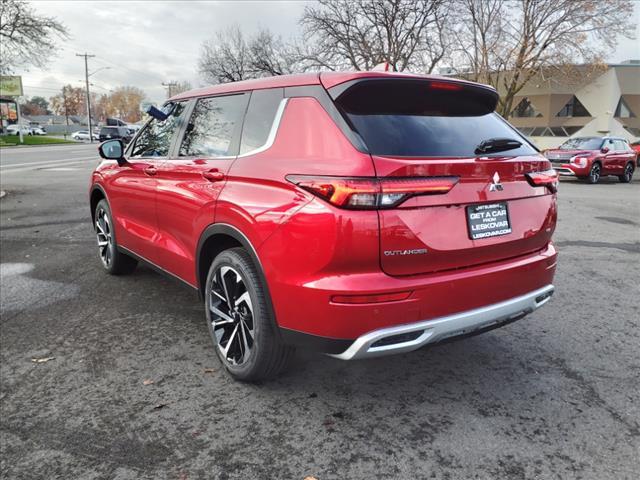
150	171
213	175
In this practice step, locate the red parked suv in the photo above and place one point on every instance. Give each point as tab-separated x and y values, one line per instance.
358	214
589	158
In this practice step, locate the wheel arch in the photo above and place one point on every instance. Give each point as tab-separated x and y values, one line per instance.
215	239
97	194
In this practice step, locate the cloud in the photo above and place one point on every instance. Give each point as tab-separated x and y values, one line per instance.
146	43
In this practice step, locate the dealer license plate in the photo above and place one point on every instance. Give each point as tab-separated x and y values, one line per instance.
488	220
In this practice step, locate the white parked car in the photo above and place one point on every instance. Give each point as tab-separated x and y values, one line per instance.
37	131
15	129
81	135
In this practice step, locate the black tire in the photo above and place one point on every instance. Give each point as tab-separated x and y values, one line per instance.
595	173
627	176
113	261
255	351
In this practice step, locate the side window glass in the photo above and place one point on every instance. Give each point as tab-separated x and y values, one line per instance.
259	119
621	146
213	127
155	139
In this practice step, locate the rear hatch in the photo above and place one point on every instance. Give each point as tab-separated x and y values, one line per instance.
493	204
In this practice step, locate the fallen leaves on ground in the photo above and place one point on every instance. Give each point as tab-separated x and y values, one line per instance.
310	478
42	360
209	370
160	405
148	381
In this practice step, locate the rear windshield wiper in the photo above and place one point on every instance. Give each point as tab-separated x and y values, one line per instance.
497	145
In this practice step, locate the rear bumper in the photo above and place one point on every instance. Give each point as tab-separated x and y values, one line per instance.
313	313
405	338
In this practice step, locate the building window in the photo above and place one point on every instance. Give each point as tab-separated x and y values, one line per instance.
526	131
549	131
573	108
633	131
558	132
571	130
623	110
525	109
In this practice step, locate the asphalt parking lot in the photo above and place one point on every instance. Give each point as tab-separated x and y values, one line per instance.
132	389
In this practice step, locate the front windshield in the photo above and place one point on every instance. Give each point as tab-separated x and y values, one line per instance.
586	143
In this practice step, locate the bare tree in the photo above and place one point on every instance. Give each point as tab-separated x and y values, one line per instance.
505	43
269	55
26	38
230	57
360	34
226	57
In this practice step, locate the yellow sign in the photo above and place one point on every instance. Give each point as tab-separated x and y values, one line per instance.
10	86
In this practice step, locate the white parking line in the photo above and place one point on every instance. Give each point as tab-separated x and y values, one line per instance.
40	167
45	162
31	150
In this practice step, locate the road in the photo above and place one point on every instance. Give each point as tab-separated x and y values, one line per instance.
553	396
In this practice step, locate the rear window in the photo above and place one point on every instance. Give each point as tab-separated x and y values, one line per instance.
426	118
585	143
108	131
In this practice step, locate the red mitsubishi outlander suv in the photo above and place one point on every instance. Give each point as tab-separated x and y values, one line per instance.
590	158
357	214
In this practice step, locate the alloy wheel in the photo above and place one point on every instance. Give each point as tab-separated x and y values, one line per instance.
105	238
595	173
232	320
628	172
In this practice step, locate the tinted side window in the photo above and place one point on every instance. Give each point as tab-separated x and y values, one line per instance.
155	139
214	126
621	146
259	119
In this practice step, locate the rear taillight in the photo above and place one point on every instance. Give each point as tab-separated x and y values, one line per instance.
371	193
547	178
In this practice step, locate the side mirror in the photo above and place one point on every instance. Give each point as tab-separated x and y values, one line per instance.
113	150
604	149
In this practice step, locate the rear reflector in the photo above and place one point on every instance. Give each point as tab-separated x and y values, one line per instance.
370	192
378	298
548	178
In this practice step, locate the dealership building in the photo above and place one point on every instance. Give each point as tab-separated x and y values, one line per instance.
580	101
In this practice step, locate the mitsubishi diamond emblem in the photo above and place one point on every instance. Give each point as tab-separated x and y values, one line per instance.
496	185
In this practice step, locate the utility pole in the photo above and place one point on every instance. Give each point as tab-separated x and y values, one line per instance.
86	77
169	86
66	113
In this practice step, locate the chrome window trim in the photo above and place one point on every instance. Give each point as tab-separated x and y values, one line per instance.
272	132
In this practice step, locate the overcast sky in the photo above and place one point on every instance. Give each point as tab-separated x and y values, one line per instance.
146	43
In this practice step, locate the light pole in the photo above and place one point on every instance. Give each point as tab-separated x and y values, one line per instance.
86	79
